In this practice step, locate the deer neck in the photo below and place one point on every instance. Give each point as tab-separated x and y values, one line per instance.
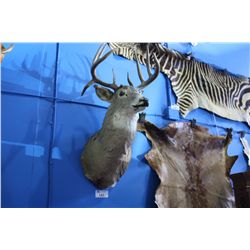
121	121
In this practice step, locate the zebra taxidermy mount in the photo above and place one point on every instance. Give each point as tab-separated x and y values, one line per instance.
196	84
107	154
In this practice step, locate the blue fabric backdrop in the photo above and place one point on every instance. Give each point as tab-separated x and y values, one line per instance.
46	123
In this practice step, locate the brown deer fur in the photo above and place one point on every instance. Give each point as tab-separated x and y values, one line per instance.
192	165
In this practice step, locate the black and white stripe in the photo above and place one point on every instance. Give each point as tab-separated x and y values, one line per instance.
193	80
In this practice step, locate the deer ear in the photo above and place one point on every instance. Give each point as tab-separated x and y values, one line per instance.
103	93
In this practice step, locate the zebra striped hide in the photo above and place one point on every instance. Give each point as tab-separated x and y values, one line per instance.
192	165
195	83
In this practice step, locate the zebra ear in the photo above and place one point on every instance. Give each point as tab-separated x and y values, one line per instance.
104	94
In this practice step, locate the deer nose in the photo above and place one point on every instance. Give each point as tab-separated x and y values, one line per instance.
144	101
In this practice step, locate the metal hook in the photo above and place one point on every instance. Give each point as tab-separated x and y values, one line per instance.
242	134
229	135
193	123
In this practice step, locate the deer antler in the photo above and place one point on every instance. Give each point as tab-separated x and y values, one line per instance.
152	77
5	51
96	61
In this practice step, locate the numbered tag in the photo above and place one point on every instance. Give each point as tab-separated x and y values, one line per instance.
174	107
101	194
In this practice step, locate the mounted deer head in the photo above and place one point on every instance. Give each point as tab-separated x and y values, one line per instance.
108	152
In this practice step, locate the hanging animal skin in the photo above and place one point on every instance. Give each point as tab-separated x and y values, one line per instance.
192	165
107	154
246	148
196	84
4	51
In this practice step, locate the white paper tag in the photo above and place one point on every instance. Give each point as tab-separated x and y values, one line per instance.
175	107
101	194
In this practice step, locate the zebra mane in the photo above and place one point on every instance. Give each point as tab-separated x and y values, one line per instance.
224	72
127	50
173	52
217	69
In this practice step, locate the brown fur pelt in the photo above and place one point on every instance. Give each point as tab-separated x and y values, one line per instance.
192	165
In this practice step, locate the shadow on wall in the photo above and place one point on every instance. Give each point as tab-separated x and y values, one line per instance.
17	148
73	75
71	78
151	189
31	76
75	124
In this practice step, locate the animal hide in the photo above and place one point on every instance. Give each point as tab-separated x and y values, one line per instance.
246	148
195	83
192	165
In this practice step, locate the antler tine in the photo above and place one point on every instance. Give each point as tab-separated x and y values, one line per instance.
114	78
97	60
4	50
87	85
138	68
148	61
129	81
152	77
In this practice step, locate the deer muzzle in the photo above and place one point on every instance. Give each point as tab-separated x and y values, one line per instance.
143	102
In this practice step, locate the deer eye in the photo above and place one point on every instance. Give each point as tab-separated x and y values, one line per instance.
122	93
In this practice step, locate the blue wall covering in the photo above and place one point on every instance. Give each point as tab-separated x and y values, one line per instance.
46	123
